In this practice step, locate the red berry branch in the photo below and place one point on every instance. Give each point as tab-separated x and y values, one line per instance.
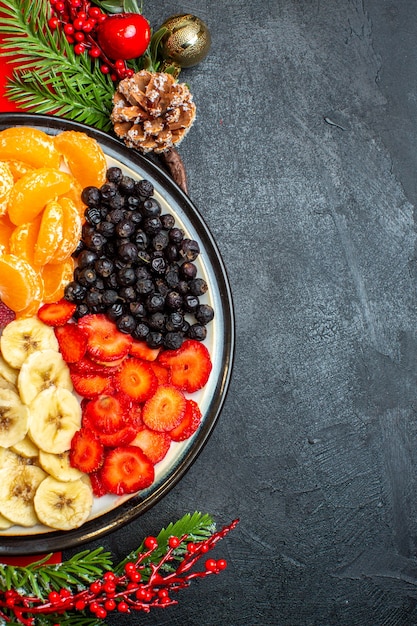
112	39
140	585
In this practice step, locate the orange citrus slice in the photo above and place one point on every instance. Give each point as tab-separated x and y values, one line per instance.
55	278
34	190
18	168
6	229
20	284
30	145
84	157
6	185
50	233
23	240
72	227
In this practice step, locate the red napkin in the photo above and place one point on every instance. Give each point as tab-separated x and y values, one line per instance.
6	69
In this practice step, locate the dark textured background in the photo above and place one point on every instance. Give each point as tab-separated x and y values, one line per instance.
315	450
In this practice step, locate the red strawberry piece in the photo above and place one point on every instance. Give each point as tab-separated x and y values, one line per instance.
106	413
165	409
87	366
97	485
154	444
72	342
6	315
189	423
121	437
105	342
141	350
89	385
136	379
190	365
126	469
161	372
86	452
57	313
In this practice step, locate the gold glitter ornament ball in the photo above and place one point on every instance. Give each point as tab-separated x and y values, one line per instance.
187	41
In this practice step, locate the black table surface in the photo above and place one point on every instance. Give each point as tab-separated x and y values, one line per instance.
303	163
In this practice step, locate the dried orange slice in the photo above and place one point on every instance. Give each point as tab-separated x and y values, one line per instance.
30	145
72	227
23	240
84	157
20	284
55	278
31	193
50	233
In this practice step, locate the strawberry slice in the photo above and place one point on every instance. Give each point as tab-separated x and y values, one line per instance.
88	366
105	342
136	379
154	444
86	452
126	469
72	342
141	350
57	313
117	432
165	409
90	385
97	485
6	315
189	423
161	372
106	413
121	437
190	365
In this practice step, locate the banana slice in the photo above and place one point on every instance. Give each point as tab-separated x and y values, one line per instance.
5	523
25	448
4	384
13	461
8	373
42	369
17	492
22	337
14	418
54	418
63	506
58	466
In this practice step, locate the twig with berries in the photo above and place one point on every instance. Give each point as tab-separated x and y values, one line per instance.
85	589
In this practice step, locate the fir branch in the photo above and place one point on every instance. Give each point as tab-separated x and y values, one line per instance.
196	527
51	78
119	6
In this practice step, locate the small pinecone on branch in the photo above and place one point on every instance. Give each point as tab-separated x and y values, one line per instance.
152	112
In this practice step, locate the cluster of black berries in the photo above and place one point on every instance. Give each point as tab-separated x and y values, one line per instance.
137	267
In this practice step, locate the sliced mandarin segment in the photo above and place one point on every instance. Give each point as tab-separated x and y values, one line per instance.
30	145
30	310
19	168
6	185
6	229
23	240
34	190
50	233
55	278
72	226
84	157
74	194
20	284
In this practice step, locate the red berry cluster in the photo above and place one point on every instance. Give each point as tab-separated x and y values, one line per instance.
141	585
79	22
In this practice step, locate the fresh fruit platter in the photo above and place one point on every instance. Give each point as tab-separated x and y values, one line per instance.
117	333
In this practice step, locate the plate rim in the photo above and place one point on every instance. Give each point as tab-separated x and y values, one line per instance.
134	507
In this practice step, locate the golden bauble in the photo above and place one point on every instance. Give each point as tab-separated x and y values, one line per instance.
187	41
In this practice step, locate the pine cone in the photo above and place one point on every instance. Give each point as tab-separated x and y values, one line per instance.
152	111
